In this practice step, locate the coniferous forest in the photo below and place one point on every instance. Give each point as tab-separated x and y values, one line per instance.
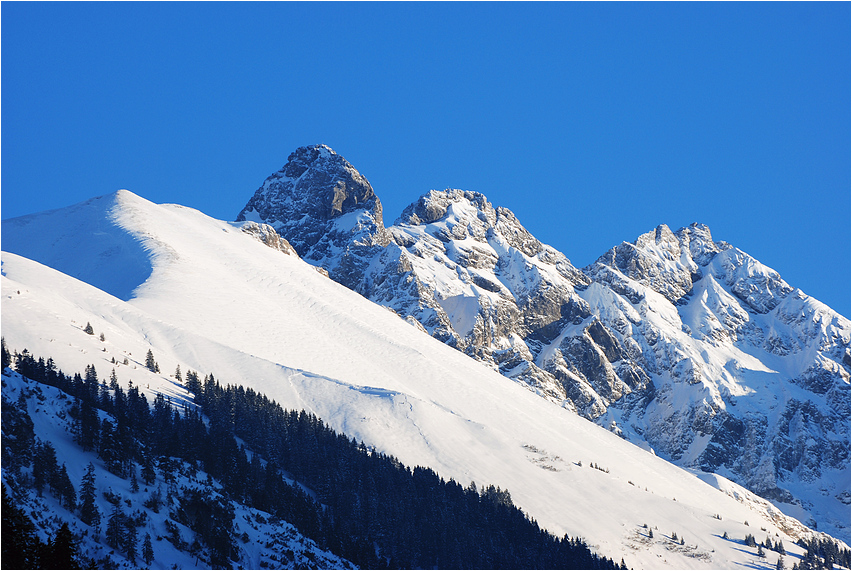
357	503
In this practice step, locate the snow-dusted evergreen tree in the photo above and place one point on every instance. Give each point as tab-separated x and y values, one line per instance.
65	490
150	363
88	329
147	550
89	513
115	528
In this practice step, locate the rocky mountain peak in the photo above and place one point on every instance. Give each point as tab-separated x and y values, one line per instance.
668	262
321	205
316	182
696	238
663	340
436	205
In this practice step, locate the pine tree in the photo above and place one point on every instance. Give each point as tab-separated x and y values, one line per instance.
91	383
65	489
760	552
61	553
7	357
88	426
44	466
134	483
88	329
129	541
147	550
780	564
150	363
89	513
21	545
148	473
177	374
193	385
18	434
115	528
110	447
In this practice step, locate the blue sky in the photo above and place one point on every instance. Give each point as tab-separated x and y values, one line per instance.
593	122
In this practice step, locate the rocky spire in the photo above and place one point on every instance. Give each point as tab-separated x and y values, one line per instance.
323	207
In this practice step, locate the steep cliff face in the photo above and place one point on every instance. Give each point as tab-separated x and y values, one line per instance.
325	209
677	342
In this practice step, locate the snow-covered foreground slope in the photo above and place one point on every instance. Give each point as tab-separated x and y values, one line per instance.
263	542
219	300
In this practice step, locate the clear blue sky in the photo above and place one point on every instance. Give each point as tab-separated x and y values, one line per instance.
593	122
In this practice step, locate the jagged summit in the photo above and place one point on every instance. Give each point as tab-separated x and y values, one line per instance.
433	206
324	208
672	263
316	182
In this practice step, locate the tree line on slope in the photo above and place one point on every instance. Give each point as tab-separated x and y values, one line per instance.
361	505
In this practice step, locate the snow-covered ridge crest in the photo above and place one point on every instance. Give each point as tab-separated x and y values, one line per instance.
93	241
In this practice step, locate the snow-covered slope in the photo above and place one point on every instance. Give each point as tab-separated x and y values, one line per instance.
220	300
681	344
265	541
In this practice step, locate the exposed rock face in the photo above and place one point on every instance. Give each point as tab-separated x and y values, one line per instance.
675	341
267	234
325	209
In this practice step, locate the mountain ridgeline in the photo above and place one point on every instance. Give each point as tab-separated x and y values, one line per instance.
676	342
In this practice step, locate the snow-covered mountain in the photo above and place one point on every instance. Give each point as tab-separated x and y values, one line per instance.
213	296
679	343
